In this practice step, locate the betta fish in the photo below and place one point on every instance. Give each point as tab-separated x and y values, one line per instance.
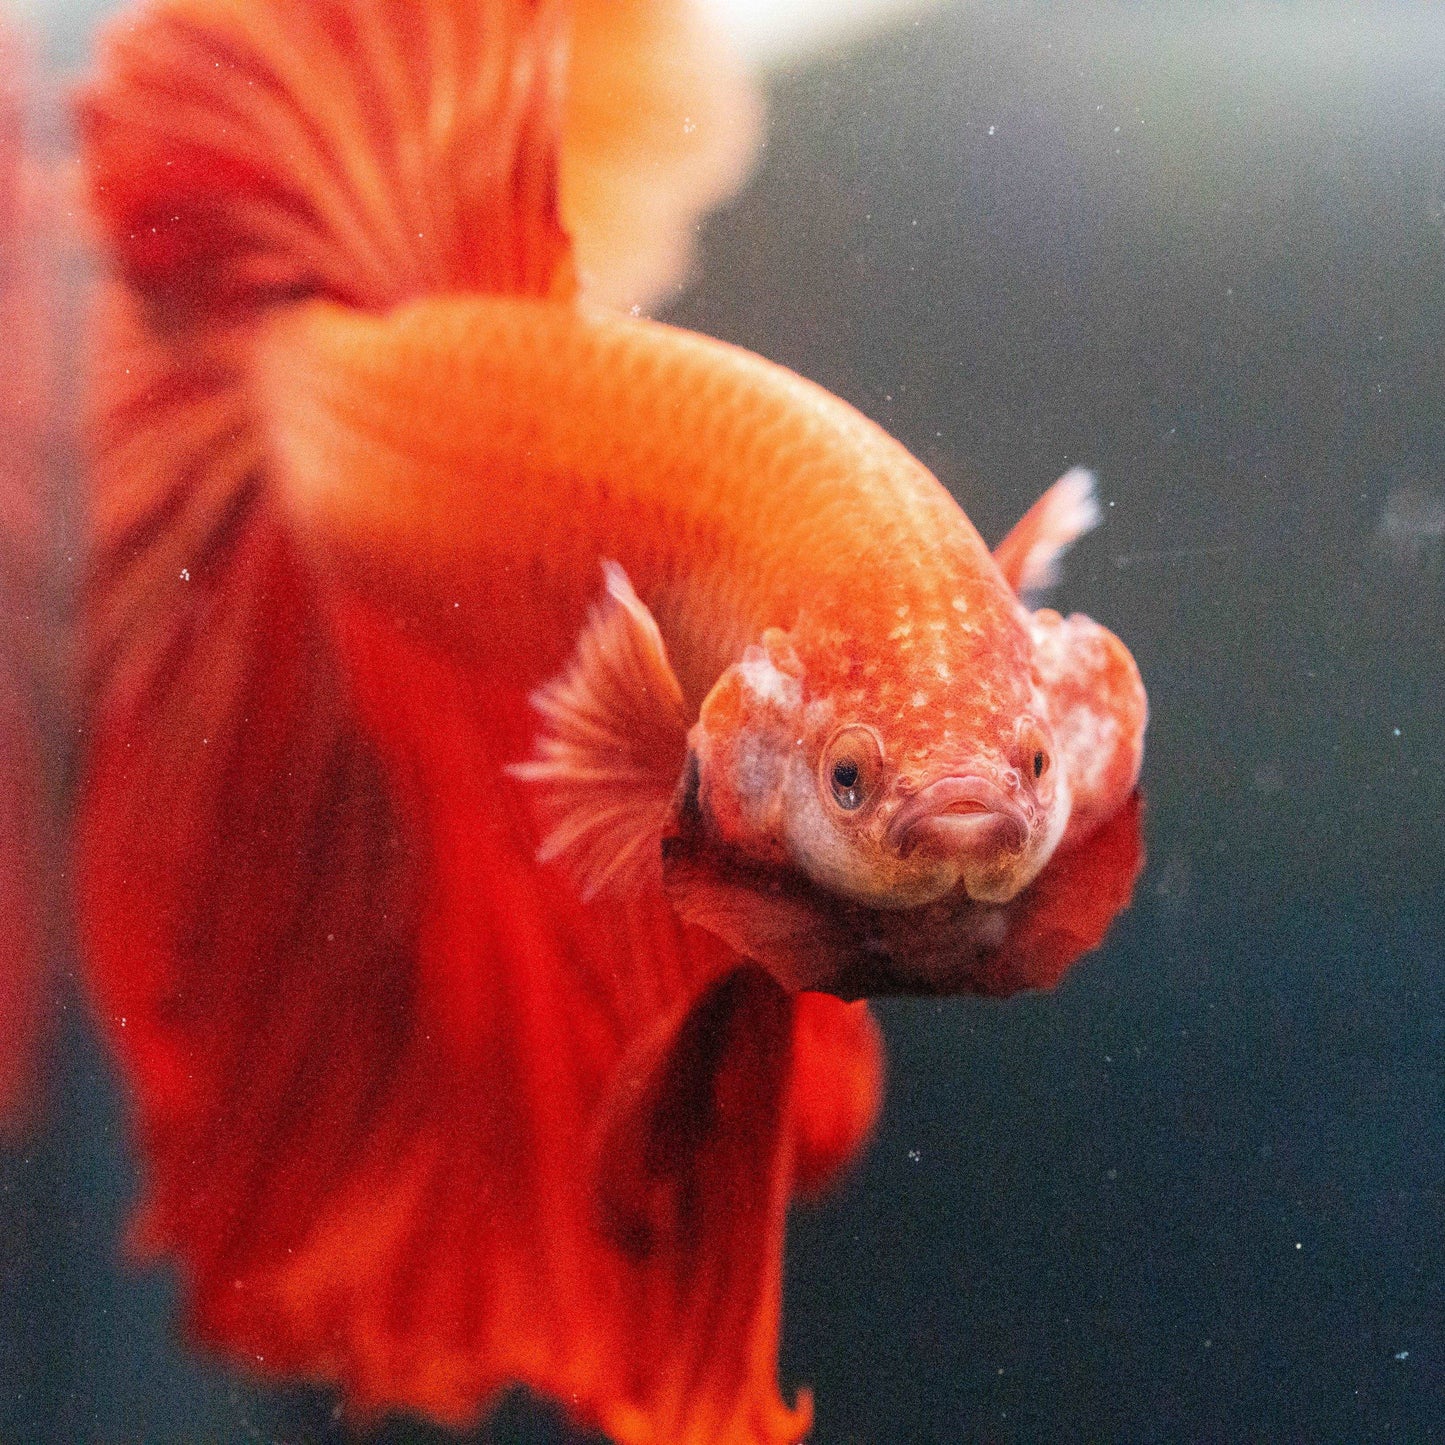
520	731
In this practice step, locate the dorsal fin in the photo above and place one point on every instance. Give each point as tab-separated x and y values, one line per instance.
246	153
612	747
1029	556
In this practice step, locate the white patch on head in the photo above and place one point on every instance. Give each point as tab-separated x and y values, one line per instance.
766	682
818	713
1092	741
760	769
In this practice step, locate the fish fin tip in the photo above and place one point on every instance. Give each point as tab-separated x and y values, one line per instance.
612	745
1030	555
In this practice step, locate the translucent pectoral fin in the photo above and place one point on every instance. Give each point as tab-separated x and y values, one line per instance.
612	747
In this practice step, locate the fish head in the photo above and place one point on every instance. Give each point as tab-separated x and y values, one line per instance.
793	763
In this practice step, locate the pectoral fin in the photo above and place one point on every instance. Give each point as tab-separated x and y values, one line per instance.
1029	556
612	746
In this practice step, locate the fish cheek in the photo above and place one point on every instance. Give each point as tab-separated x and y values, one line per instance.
1099	711
730	792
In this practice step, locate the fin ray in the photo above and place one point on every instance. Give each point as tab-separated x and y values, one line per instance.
612	750
1029	556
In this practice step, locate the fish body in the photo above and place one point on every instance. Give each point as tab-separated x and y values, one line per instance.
841	668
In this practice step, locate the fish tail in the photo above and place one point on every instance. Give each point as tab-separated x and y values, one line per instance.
247	154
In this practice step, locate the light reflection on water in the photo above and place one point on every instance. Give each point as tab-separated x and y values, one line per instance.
1196	1193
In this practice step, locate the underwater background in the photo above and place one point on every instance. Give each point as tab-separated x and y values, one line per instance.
1198	1193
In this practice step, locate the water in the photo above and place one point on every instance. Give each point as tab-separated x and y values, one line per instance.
1197	1193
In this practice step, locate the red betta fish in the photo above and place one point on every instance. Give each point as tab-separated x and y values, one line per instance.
23	435
501	709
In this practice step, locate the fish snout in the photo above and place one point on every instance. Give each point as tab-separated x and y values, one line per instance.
962	814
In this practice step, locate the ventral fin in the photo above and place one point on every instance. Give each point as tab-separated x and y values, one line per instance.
1029	556
611	749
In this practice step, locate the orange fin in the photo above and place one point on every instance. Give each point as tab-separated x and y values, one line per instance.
612	747
29	645
243	153
1029	556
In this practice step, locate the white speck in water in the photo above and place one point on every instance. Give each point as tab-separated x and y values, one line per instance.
185	574
1298	1245
1412	525
915	1155
1402	1354
1269	778
991	129
1396	731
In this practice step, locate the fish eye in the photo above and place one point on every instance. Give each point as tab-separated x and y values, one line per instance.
1034	755
852	766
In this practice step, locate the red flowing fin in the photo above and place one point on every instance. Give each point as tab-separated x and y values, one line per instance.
837	1087
28	650
612	748
369	1042
246	152
1029	556
693	1180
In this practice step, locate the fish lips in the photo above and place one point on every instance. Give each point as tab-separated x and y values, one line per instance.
960	815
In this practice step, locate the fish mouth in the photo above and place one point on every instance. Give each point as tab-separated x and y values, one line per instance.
956	815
